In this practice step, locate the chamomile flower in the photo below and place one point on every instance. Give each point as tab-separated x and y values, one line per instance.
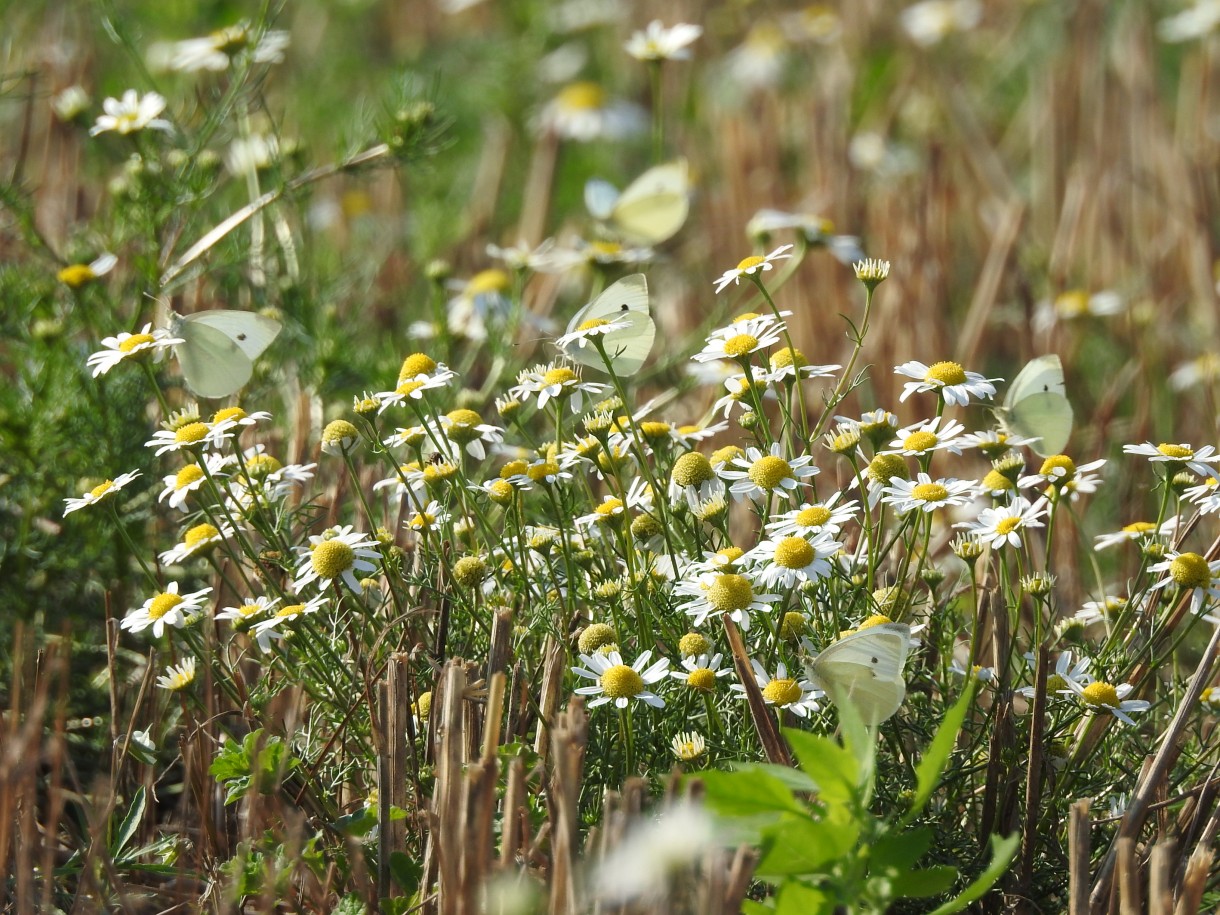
148	342
752	337
1063	476
166	608
582	111
787	692
180	485
1192	574
481	301
428	519
1099	695
276	626
619	683
1178	457
74	276
100	492
1097	611
191	436
1135	532
948	379
1003	525
656	42
701	671
244	615
414	387
751	267
758	475
264	478
788	364
337	553
131	114
463	430
929	22
923	439
197	541
693	480
994	443
814	518
1205	496
978	672
1066	671
216	52
551	382
927	495
786	562
583	336
725	593
228	423
178	676
1075	304
690	745
1204	369
742	392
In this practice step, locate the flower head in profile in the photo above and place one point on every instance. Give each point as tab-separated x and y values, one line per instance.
690	745
178	676
131	114
131	346
927	495
751	267
74	276
1075	304
216	52
1137	532
582	111
277	625
197	541
102	491
797	696
618	682
926	437
165	608
949	380
1176	458
1067	670
1101	696
1062	476
656	42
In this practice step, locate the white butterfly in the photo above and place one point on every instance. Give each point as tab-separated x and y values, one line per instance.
219	347
865	670
1036	406
623	302
652	208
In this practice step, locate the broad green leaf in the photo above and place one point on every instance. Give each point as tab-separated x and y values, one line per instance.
406	871
131	822
1002	853
351	904
800	845
796	898
930	881
833	768
936	757
900	849
746	793
793	778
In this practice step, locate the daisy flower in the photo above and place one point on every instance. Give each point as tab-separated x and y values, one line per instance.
1136	531
978	672
75	276
693	480
131	346
414	388
1074	305
524	256
1192	574
656	42
131	114
923	439
1205	496
1062	475
994	443
1178	457
701	671
583	335
547	382
751	322
797	696
481	300
722	592
1203	369
243	616
690	745
196	541
274	626
263	477
180	485
929	22
742	392
949	380
178	676
1100	695
583	112
187	436
757	475
925	494
752	337
99	492
788	364
427	519
1065	672
1097	611
787	562
619	683
750	267
814	518
1002	525
871	272
216	52
465	431
604	253
166	608
228	423
336	553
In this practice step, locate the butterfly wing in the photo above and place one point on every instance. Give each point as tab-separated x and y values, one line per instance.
628	347
1036	405
252	332
212	364
864	669
653	207
600	198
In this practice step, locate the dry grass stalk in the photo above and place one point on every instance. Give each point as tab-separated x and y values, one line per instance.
1078	855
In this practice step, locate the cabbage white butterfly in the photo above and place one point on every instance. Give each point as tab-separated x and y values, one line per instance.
219	347
865	670
626	300
1036	405
652	208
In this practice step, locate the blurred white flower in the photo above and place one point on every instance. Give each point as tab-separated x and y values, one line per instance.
657	42
930	22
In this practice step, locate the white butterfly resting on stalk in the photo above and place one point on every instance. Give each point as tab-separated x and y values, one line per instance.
650	210
219	347
623	306
1036	406
864	670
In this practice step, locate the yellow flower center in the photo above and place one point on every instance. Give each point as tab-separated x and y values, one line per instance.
996	482
338	431
1072	304
416	364
513	469
794	553
793	625
230	40
622	682
1190	570
813	516
162	604
228	413
560	375
1098	693
582	96
488	281
540	471
769	471
462	425
101	489
290	610
946	373
422	521
1139	527
692	469
262	465
751	263
782	692
245	611
1180	452
332	557
595	636
593	323
726	454
500	492
605	248
407	388
782	358
191	433
610	507
692	644
729	555
200	533
730	592
1058	462
919	441
702	679
653	429
135	340
1007	525
1054	683
740	345
743	392
76	275
929	492
879	619
188	476
884	467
